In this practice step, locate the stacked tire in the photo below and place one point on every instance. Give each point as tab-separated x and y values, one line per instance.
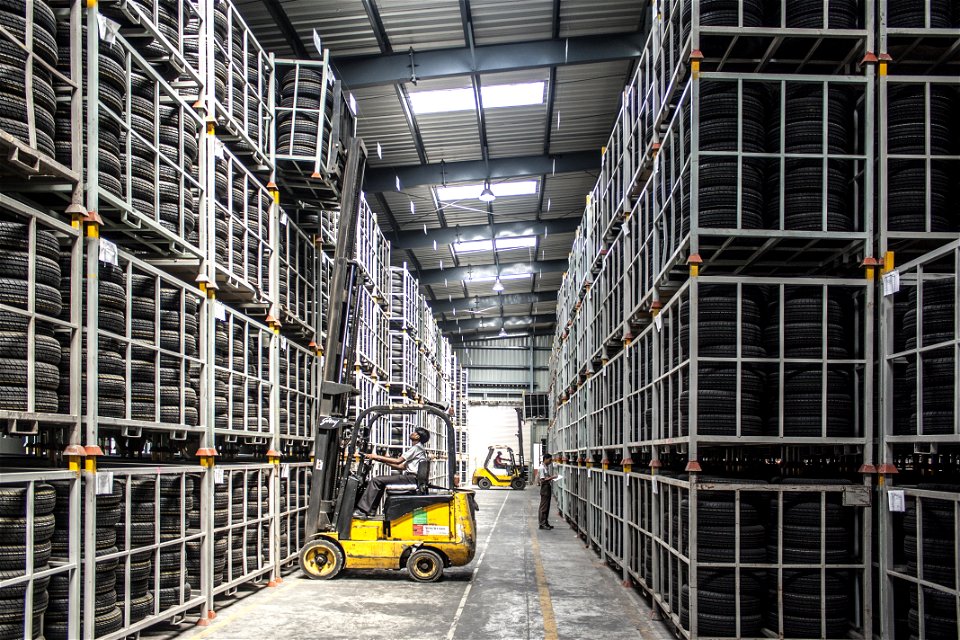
913	14
108	617
112	382
804	518
112	90
221	519
174	385
159	188
937	365
13	555
14	345
15	105
716	537
803	384
301	88
142	522
257	537
936	537
907	186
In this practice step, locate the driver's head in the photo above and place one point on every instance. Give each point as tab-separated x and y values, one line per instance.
420	435
547	457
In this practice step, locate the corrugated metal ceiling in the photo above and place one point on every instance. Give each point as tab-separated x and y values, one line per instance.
585	99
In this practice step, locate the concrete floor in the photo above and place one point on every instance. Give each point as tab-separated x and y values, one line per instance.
524	583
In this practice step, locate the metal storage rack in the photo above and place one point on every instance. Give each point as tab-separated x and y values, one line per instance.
687	304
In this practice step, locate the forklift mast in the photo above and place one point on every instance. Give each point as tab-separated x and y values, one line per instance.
337	382
523	467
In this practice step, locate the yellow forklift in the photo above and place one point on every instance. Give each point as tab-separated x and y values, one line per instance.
501	468
424	528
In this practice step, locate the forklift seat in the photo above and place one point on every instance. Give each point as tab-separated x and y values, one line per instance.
418	489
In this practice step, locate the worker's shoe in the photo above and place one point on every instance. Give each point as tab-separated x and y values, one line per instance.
362	515
546	526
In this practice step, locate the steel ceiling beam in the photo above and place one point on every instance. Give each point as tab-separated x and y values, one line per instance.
420	240
482	302
279	15
469	339
438	173
375	70
508	322
438	276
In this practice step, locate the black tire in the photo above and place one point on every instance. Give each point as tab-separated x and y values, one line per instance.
14	556
13	500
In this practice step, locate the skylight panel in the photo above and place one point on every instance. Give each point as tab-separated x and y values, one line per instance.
494	97
500	189
472	246
520	242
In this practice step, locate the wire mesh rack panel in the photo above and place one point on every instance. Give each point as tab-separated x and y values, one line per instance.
299	386
373	254
299	278
294	498
245	524
373	338
405	310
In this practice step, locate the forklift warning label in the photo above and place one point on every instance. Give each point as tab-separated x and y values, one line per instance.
419	516
430	530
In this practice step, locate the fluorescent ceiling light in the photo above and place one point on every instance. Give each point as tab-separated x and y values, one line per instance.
520	242
500	190
494	97
512	276
472	246
497	285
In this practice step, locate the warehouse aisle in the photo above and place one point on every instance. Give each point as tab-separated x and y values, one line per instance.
524	583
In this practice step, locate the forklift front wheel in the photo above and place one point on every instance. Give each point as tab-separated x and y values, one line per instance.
518	484
425	565
483	483
321	559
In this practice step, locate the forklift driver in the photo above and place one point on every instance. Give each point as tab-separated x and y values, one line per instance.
407	464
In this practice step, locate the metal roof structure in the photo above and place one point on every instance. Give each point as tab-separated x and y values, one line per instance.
386	52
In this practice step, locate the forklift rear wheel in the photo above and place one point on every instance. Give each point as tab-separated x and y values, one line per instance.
321	559
483	483
518	484
425	565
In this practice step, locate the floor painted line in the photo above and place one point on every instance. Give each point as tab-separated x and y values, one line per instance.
239	609
546	604
466	593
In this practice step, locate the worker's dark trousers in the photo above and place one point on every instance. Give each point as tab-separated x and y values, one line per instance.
546	492
371	496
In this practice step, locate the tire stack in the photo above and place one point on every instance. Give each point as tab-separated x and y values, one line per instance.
112	91
803	519
142	532
937	538
297	135
14	273
175	508
802	384
906	134
257	535
717	337
158	189
14	103
912	14
221	518
112	384
13	555
803	179
939	403
719	202
722	13
809	14
108	617
716	535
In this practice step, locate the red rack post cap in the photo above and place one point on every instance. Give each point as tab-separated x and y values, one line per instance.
93	451
867	468
75	450
887	468
207	452
693	467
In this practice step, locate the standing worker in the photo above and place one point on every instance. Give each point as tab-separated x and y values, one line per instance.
545	476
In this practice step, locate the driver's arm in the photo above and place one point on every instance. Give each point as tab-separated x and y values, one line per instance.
395	463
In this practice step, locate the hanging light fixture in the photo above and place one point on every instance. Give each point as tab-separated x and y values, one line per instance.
503	333
497	285
487	194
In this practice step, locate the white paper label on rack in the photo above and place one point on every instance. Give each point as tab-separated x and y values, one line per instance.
108	29
658	322
655	486
318	42
218	148
285	471
656	163
283	218
218	476
319	465
104	483
219	310
283	343
108	252
891	283
896	501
